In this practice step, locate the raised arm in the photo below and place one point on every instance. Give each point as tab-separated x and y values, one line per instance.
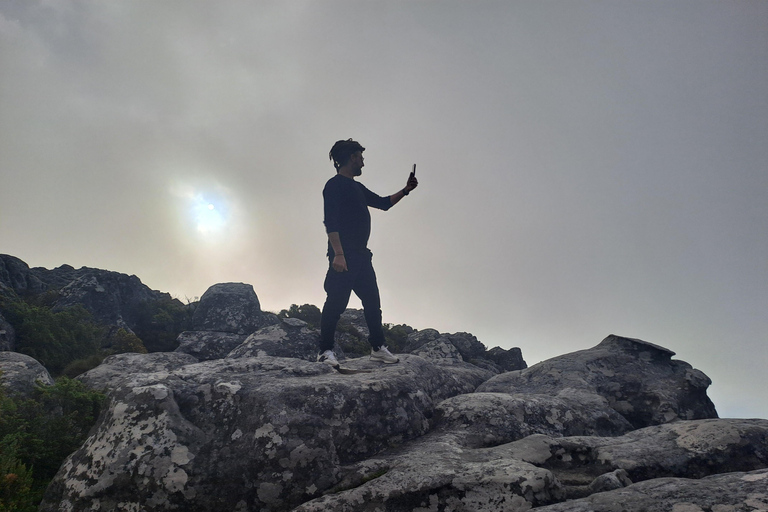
412	184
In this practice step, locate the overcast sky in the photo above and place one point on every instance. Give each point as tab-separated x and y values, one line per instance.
585	167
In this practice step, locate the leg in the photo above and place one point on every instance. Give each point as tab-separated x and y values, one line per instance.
338	286
366	287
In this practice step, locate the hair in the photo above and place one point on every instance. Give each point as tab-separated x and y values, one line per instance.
342	150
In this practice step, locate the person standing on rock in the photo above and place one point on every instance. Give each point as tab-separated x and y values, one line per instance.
348	225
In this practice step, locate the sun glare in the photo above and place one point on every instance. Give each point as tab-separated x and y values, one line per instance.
206	212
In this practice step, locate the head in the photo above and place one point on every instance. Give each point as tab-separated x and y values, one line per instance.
342	150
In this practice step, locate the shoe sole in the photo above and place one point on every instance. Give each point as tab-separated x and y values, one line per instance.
384	361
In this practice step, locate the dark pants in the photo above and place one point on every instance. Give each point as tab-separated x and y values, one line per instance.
361	279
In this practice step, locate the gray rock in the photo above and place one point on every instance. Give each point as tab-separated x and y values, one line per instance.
436	476
466	344
119	367
439	350
489	419
230	307
7	335
507	360
112	298
609	481
639	380
731	492
689	449
19	373
436	473
206	345
356	319
289	338
260	433
16	275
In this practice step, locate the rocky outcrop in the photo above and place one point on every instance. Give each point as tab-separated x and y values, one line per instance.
405	437
115	369
20	373
730	492
115	300
112	298
637	379
290	337
467	347
176	439
7	335
207	345
230	307
17	276
224	318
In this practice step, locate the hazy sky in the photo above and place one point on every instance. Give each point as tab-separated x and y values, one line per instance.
585	167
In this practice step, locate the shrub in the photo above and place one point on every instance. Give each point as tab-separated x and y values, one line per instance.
309	313
38	433
80	366
124	341
160	322
55	339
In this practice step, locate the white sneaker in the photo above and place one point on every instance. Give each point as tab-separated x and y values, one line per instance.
328	357
383	355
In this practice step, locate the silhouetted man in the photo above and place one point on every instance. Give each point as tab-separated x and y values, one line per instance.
348	224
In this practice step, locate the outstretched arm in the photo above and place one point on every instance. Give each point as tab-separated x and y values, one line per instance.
412	184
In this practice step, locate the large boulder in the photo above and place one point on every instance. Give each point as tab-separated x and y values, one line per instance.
7	335
232	308
639	380
507	359
176	438
20	373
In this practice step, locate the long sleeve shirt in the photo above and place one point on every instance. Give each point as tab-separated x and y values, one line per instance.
346	203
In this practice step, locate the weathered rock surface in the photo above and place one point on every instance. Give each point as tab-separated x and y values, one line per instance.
111	297
290	337
489	419
207	345
119	367
637	379
7	335
114	300
17	276
19	373
230	307
498	360
177	438
730	492
435	473
410	436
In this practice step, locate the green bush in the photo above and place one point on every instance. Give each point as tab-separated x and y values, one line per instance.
124	341
55	339
309	313
16	482
160	322
397	336
38	433
80	366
